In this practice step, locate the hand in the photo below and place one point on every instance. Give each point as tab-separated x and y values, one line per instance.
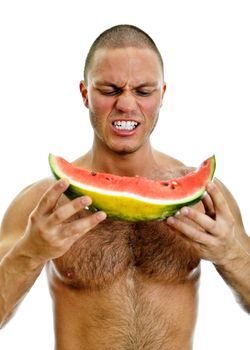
48	234
213	234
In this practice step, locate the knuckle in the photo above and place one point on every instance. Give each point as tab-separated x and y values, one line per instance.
222	237
78	203
40	231
197	236
58	215
33	217
47	200
213	226
72	230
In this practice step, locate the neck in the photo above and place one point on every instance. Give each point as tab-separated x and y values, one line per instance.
142	162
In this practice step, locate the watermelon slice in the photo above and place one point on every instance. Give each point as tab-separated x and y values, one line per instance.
134	198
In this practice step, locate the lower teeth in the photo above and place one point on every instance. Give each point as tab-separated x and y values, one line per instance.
121	128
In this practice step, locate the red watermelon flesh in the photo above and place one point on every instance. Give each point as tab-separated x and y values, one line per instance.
135	198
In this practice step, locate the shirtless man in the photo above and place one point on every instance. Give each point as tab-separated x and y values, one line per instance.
119	285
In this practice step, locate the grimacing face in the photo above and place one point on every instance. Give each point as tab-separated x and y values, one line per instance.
124	93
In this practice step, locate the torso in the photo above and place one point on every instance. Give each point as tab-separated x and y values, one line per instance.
125	286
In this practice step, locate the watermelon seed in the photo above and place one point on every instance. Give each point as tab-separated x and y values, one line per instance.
93	173
173	184
165	183
108	178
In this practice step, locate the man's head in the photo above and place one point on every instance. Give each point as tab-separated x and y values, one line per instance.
123	88
121	36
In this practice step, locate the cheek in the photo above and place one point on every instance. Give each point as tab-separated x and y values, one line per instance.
151	108
100	105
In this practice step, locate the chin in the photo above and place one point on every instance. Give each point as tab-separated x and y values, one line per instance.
123	150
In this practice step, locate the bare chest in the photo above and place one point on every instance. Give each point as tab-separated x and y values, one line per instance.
113	247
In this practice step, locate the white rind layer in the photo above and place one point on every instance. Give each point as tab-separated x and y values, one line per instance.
132	195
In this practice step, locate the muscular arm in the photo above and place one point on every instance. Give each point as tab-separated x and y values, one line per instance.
222	238
32	233
235	269
17	271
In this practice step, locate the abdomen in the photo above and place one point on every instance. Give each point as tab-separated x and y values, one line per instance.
134	313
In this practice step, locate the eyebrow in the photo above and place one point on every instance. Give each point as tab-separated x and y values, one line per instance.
148	84
145	84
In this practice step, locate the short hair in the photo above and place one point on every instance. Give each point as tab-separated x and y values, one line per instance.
120	36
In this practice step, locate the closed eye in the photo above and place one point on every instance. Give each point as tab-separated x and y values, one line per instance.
110	92
143	93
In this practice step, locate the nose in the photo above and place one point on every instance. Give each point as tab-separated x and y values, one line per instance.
126	102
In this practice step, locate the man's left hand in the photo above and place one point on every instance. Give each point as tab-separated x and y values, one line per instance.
214	233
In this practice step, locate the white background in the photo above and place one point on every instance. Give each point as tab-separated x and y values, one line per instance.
205	46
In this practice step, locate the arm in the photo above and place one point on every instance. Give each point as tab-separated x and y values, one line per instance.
221	238
32	234
17	275
235	269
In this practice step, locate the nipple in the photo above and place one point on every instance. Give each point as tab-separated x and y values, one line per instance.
69	273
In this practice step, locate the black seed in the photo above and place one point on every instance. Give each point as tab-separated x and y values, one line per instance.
93	173
165	183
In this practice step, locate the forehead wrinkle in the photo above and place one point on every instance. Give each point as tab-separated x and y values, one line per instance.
137	85
120	66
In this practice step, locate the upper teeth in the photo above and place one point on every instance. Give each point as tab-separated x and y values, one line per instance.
126	125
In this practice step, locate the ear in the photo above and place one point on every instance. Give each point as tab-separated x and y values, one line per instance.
84	93
164	87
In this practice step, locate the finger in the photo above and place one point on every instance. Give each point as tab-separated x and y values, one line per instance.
189	231
82	226
51	196
219	201
209	206
66	211
203	220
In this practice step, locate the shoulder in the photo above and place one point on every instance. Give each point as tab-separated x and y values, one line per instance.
15	218
232	204
228	196
172	167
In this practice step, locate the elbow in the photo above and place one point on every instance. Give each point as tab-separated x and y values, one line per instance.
4	318
245	304
246	307
3	321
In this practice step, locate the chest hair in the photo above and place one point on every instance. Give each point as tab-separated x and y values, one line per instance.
113	247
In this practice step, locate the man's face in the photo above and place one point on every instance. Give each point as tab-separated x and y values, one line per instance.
124	93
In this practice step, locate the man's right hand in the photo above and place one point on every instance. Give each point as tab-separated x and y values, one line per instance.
48	234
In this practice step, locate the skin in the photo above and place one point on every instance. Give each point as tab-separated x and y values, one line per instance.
119	285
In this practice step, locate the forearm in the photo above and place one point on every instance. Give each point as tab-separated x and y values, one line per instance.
236	273
18	272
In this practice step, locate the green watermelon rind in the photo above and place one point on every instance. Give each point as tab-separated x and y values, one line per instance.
137	208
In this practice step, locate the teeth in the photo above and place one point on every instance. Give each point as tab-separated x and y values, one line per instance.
125	125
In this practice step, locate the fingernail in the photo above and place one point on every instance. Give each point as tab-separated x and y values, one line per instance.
177	213
86	200
101	215
185	211
210	186
64	183
171	220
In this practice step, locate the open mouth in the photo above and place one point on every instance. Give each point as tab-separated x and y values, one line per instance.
127	125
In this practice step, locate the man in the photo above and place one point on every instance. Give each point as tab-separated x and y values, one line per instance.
114	284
